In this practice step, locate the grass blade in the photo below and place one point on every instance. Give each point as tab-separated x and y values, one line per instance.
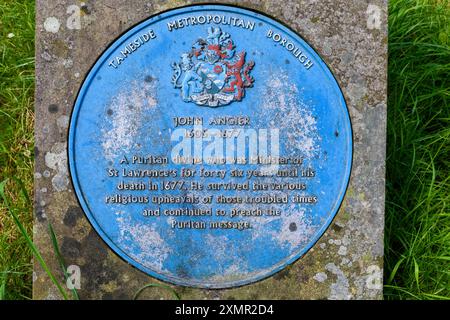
156	285
30	243
3	279
60	258
23	189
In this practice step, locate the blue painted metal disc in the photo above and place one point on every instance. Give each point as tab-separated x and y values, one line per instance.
217	69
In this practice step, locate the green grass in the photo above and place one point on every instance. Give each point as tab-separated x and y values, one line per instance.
37	255
417	251
16	142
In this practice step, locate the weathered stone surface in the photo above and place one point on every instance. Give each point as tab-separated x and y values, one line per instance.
351	36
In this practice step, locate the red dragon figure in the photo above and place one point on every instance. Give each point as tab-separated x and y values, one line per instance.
234	73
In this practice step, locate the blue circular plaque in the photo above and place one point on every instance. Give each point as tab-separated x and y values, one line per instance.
210	146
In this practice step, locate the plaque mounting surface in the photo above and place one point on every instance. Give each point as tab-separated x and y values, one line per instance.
218	70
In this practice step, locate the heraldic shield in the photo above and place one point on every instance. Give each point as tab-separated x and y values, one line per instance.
212	74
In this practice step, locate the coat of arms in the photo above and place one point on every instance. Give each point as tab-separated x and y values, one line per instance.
212	74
